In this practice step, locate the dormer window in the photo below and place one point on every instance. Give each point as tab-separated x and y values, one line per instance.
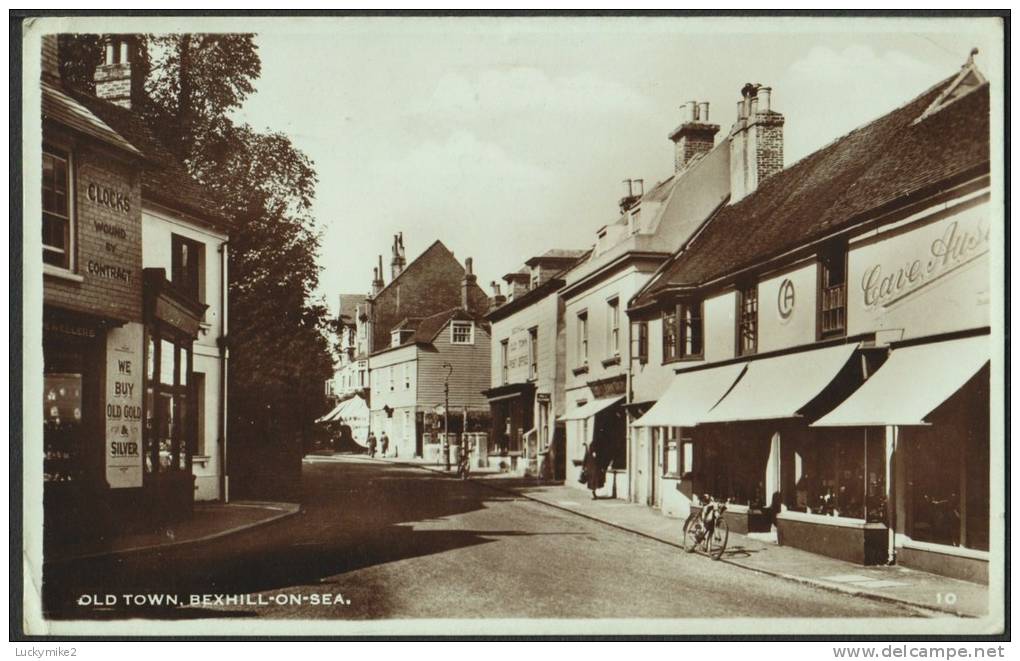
462	332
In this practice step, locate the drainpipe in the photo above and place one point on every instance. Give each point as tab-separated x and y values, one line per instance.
224	354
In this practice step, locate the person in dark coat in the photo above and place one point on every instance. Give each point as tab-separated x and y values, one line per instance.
371	444
384	444
596	477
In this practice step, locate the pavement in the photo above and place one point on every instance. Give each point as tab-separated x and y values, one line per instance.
210	520
758	553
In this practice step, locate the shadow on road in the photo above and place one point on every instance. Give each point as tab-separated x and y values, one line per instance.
354	515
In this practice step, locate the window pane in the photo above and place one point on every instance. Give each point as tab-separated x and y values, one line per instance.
166	362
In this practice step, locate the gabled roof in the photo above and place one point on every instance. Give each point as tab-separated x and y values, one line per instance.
426	330
415	264
349	306
430	327
872	167
61	107
164	179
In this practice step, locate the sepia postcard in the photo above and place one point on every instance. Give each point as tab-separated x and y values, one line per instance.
512	325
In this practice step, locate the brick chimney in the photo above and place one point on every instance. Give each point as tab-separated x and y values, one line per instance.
467	284
694	136
398	261
50	61
113	76
497	299
756	142
377	279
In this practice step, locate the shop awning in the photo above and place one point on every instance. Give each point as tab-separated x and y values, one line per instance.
591	408
911	384
690	396
779	387
332	413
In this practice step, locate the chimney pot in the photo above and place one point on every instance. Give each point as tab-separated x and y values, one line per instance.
764	99
703	113
754	106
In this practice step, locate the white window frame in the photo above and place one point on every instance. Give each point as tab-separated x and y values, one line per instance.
613	326
65	154
582	337
471	332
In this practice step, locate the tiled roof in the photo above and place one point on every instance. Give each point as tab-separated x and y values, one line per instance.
62	108
430	327
164	179
871	167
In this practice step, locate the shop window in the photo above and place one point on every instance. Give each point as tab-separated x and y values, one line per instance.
613	324
62	422
582	338
57	208
504	353
947	469
533	353
832	292
747	320
187	265
670	338
839	473
731	469
170	398
691	331
462	332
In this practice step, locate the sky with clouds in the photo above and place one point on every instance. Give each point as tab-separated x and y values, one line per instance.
506	137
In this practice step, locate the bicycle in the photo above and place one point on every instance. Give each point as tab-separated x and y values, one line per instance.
707	529
463	466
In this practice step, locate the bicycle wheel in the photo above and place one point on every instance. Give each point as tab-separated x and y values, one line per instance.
690	533
717	540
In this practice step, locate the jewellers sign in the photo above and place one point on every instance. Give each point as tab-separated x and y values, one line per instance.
124	406
929	280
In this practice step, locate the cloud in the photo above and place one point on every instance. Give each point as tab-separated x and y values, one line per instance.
510	91
827	106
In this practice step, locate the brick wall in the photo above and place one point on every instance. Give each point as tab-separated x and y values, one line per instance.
107	240
431	284
113	83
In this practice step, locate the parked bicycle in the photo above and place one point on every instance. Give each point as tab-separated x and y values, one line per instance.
707	529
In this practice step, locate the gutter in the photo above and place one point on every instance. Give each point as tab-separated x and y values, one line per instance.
221	342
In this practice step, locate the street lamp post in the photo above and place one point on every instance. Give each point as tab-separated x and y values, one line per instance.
446	413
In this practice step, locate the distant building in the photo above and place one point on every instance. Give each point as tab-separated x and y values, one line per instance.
410	377
603	352
430	284
528	366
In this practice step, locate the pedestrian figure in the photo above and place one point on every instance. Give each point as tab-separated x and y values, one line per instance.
371	444
384	444
595	476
